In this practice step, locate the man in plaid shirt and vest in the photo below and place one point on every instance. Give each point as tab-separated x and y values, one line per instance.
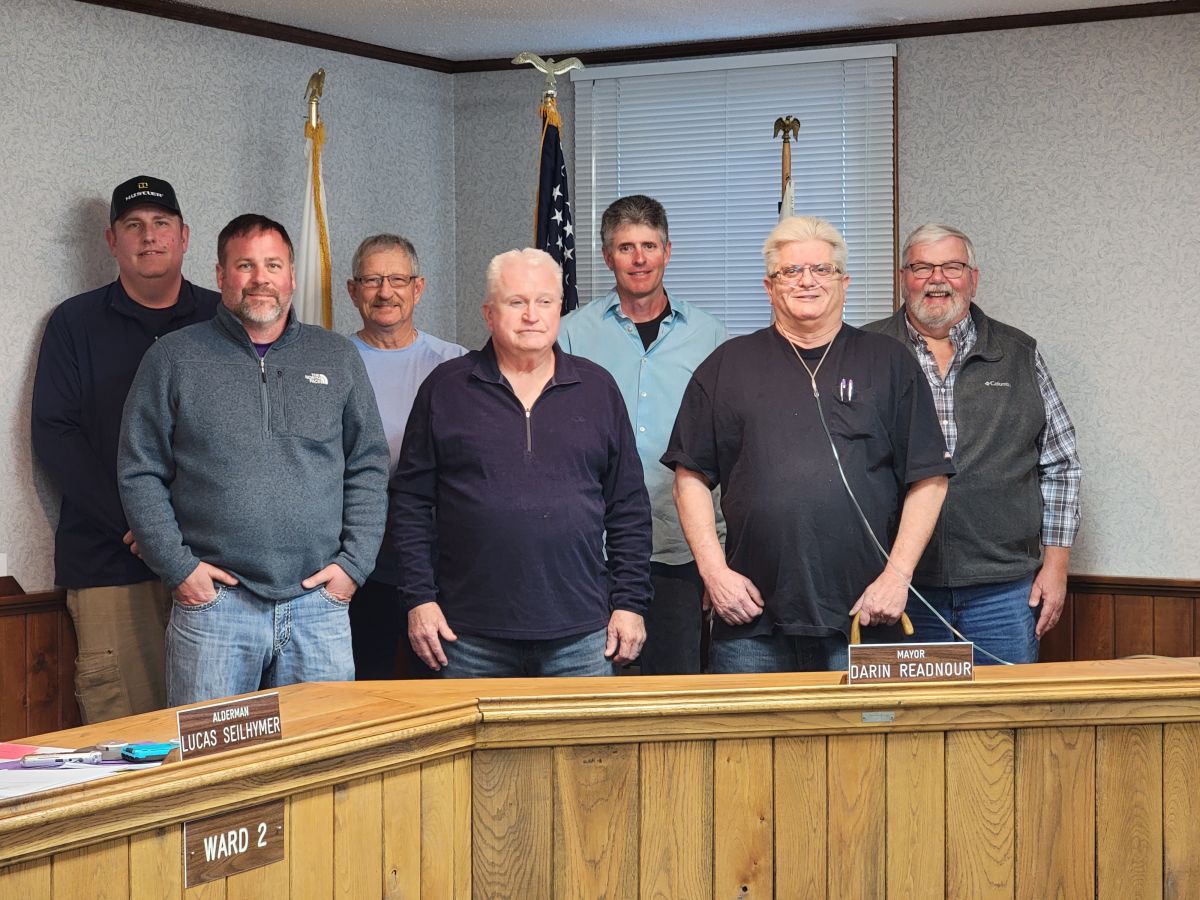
996	567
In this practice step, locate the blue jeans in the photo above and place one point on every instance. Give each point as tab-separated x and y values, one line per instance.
239	642
996	617
474	656
778	652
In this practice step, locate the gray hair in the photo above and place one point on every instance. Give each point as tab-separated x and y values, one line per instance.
932	231
377	243
529	256
636	209
804	228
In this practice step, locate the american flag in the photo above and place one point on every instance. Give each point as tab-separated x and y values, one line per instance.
555	230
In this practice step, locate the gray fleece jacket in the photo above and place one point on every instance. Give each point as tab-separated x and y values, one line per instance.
270	469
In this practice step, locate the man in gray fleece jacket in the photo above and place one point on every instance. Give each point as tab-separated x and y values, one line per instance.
253	470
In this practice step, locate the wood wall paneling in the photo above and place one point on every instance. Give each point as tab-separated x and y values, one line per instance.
801	811
596	814
1094	623
1181	811
358	838
856	789
513	815
402	834
27	881
676	820
97	872
446	828
156	863
916	815
1173	626
980	825
1129	812
1134	625
42	650
13	680
743	820
1056	812
310	847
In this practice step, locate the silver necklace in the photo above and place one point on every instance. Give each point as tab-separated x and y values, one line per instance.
812	373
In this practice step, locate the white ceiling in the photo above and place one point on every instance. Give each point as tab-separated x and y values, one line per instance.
490	29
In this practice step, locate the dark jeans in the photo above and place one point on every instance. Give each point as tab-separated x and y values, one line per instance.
673	623
379	634
476	656
996	617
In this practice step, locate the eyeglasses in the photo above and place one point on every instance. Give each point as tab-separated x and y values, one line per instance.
949	269
820	271
375	282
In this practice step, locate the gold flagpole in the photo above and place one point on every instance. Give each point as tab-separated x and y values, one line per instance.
314	129
789	127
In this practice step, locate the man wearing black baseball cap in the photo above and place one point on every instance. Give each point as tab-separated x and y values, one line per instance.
90	352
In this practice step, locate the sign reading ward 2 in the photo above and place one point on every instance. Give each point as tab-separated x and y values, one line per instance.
906	663
232	842
228	725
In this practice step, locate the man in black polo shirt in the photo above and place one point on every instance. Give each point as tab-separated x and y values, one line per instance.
526	457
759	418
90	352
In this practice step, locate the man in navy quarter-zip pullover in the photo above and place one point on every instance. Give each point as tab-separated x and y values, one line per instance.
518	507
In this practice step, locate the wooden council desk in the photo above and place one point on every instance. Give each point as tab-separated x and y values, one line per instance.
1058	780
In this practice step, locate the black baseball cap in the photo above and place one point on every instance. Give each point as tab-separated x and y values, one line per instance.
139	190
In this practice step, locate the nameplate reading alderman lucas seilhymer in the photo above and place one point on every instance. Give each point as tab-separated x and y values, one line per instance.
230	724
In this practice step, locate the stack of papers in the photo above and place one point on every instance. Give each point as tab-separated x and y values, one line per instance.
17	781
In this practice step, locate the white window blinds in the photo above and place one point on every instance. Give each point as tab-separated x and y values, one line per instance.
697	136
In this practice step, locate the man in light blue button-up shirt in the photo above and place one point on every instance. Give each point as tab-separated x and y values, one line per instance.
651	344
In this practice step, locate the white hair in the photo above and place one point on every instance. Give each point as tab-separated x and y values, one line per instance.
932	231
804	228
529	256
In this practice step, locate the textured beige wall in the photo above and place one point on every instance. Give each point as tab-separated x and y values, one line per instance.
1070	155
497	137
93	96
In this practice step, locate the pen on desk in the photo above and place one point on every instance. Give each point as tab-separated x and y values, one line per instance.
50	760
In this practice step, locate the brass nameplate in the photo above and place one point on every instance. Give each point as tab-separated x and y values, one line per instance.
232	723
892	663
232	842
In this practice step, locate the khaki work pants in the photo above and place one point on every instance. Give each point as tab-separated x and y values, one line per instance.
121	632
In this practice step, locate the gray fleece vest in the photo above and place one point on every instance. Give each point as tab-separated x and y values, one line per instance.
990	526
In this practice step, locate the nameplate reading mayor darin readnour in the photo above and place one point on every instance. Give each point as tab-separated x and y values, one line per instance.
898	663
228	725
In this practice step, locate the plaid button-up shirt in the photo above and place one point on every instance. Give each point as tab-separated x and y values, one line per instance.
1058	460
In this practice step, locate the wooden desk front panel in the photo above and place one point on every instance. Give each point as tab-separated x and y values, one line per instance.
400	834
1107	811
752	787
1112	811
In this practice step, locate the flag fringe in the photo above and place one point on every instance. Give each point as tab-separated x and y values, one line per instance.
549	113
317	136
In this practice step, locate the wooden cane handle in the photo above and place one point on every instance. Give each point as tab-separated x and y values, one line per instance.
856	629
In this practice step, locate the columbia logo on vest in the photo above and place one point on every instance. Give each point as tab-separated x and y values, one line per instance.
316	378
996	384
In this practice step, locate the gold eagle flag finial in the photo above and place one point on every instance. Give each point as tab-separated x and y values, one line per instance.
789	126
312	93
549	68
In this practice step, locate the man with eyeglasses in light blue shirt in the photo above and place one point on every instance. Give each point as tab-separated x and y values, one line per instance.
386	287
651	344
